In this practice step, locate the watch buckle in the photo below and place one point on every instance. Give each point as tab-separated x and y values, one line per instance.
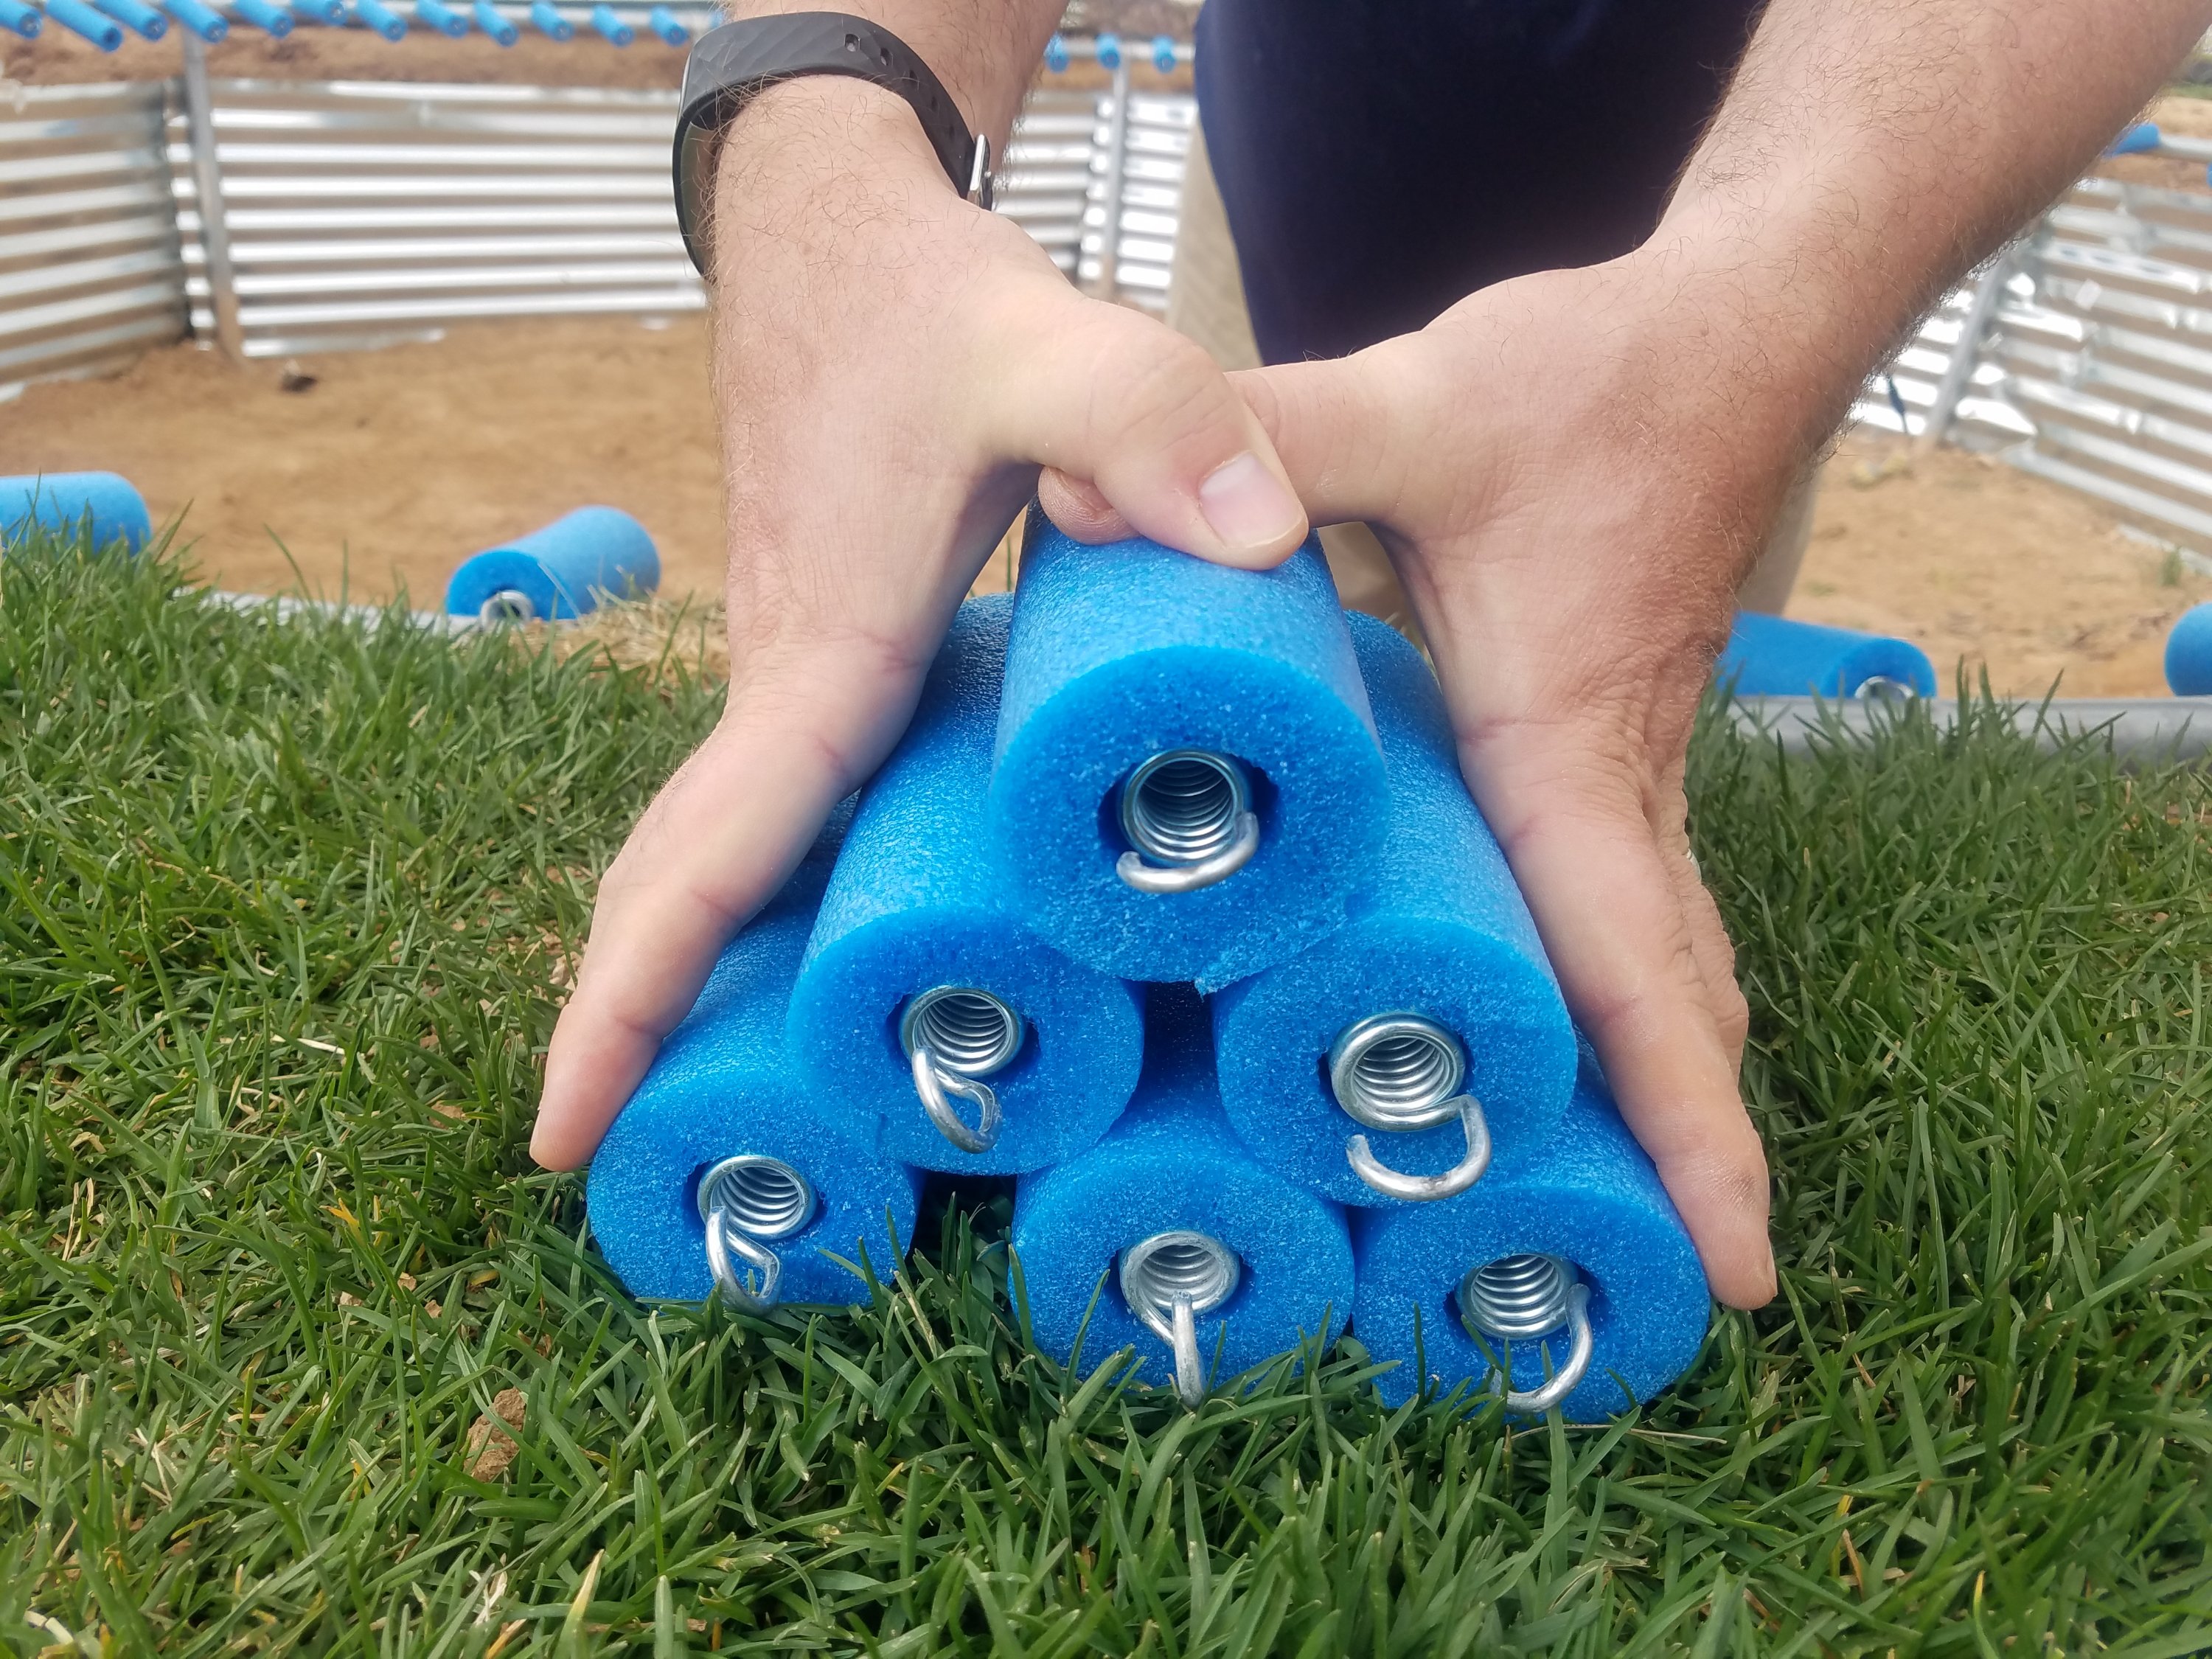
982	188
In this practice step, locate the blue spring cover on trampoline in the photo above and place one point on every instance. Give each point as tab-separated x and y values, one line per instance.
2189	653
1591	1196
65	502
564	569
1172	1163
1439	929
918	900
1776	657
722	1086
1122	651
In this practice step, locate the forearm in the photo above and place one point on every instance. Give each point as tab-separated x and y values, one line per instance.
1867	154
984	51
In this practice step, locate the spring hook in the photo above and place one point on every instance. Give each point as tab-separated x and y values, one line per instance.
954	1036
1168	1280
1189	812
748	1202
509	605
1523	1298
1399	1072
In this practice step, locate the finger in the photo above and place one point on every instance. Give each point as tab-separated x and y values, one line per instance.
713	846
1604	898
1078	508
1337	425
1150	423
1710	944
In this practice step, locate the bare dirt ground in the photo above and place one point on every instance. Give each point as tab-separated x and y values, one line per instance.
395	465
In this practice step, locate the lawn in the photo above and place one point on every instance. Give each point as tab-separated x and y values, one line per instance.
284	908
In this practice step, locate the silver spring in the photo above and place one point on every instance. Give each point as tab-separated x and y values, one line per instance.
970	1033
1168	1280
1882	687
762	1197
1182	807
1518	1297
509	605
747	1202
1397	1072
1526	1297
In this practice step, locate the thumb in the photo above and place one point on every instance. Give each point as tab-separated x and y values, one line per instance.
1335	426
717	842
1140	430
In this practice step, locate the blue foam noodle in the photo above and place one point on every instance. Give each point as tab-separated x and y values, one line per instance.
1780	657
106	503
723	1086
2189	653
565	568
1122	651
918	901
1593	1198
1441	931
1172	1163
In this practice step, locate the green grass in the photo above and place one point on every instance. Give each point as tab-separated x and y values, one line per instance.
282	909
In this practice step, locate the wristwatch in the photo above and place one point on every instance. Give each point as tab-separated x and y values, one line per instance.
731	64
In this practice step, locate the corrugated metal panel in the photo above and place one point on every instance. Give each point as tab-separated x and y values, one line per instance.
2095	368
364	212
361	213
89	266
1060	181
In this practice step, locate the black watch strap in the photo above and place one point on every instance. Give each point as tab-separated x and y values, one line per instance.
731	64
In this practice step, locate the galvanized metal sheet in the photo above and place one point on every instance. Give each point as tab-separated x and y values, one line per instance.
89	270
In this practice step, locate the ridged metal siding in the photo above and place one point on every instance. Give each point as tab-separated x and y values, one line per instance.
89	266
366	212
2094	369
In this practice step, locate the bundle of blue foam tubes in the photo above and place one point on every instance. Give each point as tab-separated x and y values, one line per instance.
1171	905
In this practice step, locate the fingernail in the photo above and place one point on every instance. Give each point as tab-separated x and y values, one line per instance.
1247	505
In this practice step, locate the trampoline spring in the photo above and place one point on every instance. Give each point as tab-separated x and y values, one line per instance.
1529	1297
509	605
954	1036
748	1202
1399	1072
1168	1280
1186	814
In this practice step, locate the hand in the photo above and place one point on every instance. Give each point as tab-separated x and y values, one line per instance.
893	367
1570	476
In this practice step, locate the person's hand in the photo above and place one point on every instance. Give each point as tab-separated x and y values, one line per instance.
893	367
1571	473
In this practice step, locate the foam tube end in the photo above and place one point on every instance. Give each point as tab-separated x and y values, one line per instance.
1780	657
67	502
917	903
1441	932
1122	652
722	1087
1172	1163
2189	653
563	569
1593	1198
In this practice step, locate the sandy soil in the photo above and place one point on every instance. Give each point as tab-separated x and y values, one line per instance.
1974	561
394	465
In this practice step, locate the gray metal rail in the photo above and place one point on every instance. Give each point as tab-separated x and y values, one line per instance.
2142	731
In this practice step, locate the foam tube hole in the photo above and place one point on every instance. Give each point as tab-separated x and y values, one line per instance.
1181	806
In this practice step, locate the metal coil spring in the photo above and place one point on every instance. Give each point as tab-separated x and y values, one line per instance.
1397	1072
509	605
762	1197
1517	1297
748	1202
1168	1280
971	1033
1182	806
